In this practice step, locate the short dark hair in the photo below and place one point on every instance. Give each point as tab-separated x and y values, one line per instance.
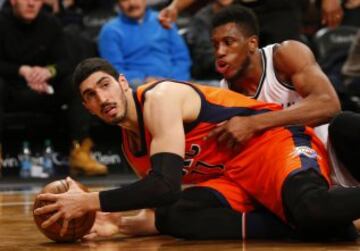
88	66
240	15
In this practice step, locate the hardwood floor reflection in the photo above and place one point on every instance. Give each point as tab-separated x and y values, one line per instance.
19	232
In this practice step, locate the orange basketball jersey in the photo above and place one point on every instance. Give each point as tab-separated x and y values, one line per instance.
256	171
204	159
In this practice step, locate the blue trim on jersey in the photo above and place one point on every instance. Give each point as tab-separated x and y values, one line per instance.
216	113
209	112
143	148
302	139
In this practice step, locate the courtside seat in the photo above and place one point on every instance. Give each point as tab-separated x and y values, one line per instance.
333	40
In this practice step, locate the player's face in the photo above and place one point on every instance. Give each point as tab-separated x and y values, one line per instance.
27	10
134	9
232	50
104	97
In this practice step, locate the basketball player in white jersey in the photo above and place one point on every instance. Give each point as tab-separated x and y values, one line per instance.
285	73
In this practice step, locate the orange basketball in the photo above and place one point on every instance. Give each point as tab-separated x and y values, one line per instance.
77	227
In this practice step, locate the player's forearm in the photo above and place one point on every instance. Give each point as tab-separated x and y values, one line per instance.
310	112
161	187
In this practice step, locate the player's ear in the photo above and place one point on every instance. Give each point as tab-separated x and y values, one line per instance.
123	82
253	43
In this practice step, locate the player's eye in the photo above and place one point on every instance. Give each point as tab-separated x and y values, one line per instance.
89	96
229	41
104	85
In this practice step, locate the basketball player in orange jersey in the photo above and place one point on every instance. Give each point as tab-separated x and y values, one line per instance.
164	124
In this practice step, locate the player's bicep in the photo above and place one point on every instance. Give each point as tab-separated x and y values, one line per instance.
299	65
311	81
163	118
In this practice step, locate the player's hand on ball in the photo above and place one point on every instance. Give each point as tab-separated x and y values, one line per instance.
66	206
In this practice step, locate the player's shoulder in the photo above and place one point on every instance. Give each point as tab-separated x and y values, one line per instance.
289	48
291	53
168	90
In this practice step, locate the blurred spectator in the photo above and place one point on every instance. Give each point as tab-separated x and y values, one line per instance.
157	4
330	13
2	2
351	67
351	70
137	45
279	19
82	17
198	38
67	11
85	6
35	73
351	13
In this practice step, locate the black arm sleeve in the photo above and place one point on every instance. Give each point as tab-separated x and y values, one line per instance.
162	186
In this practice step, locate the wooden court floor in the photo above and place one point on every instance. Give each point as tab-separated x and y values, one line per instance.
18	232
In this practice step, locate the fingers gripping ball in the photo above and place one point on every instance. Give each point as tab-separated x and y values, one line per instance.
77	227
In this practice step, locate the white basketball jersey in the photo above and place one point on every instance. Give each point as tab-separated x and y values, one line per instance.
272	90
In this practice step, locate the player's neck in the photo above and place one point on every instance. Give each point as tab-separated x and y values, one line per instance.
131	120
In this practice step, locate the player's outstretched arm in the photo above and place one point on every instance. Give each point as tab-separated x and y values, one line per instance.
166	107
295	64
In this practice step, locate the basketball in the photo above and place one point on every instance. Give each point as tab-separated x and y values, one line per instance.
77	227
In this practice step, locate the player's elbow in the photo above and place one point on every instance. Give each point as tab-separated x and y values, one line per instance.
170	193
165	177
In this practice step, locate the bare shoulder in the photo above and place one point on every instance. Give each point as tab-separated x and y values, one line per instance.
173	96
290	56
169	91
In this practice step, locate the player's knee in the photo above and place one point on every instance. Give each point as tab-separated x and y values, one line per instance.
309	211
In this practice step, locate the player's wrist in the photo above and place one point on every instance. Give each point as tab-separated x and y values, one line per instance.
257	125
92	201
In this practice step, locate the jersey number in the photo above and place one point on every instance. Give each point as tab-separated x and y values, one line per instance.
199	166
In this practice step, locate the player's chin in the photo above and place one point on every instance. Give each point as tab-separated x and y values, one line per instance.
229	76
116	121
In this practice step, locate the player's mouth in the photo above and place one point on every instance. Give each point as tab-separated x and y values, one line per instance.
221	66
109	110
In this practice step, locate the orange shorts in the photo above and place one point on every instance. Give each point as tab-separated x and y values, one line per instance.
259	171
234	195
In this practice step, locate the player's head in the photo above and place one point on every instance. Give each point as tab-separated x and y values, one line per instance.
27	10
102	89
235	38
134	9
